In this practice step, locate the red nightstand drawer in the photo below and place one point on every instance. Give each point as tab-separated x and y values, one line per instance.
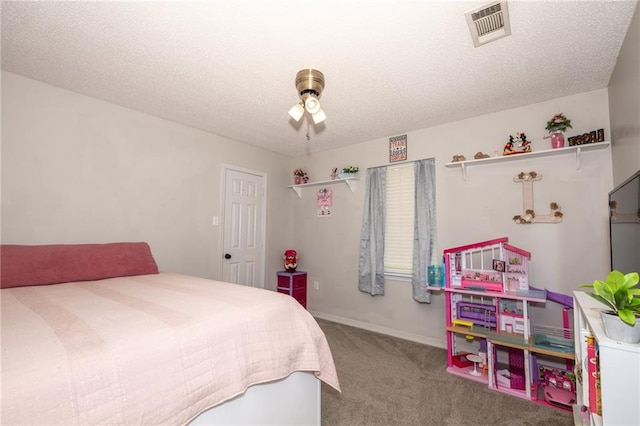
294	284
299	281
295	280
301	297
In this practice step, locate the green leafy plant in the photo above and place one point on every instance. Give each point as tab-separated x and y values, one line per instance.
620	293
350	169
558	123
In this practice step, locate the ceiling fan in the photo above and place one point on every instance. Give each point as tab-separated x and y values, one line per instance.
309	84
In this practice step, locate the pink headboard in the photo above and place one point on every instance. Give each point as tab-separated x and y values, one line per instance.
23	265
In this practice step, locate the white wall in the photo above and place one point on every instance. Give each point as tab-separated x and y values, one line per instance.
79	170
624	99
564	255
76	169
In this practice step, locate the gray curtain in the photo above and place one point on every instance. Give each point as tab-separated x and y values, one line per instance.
371	262
424	227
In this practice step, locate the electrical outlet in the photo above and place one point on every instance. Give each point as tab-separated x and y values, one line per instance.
316	285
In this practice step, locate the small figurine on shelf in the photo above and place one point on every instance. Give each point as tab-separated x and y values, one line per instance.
334	173
298	174
517	144
305	178
290	258
479	155
508	147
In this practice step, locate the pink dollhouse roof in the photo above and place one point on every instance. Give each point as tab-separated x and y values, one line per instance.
518	250
490	243
477	245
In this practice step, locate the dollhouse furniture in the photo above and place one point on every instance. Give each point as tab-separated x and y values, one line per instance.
614	398
294	284
475	359
488	299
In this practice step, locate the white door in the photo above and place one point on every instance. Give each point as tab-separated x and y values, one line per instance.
244	228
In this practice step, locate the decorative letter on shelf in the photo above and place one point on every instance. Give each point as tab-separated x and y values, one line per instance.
529	215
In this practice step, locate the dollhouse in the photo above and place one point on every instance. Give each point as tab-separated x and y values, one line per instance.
490	335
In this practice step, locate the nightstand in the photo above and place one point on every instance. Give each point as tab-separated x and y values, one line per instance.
294	284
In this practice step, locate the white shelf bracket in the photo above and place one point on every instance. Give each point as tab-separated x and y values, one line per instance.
578	158
297	190
352	184
464	172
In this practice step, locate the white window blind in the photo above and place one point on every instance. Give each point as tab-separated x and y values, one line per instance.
398	238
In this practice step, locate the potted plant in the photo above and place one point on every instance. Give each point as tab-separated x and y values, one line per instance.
621	295
556	126
348	172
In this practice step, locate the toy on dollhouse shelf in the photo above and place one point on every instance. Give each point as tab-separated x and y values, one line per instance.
511	319
559	387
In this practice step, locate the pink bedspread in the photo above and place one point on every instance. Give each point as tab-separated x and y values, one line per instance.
148	349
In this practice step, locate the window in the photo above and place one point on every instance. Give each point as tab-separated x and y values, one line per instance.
399	223
394	242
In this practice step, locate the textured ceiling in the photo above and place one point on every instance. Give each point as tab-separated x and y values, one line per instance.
228	67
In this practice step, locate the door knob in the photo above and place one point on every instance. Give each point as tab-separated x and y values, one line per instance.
227	256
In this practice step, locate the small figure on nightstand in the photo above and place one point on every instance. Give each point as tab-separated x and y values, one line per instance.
290	258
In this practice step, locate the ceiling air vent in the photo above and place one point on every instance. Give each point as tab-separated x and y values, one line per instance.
489	23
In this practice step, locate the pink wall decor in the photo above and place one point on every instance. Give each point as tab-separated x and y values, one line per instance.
324	203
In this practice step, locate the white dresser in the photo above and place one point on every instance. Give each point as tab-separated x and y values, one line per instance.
619	368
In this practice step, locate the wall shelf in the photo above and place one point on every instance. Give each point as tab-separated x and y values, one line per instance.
351	183
549	152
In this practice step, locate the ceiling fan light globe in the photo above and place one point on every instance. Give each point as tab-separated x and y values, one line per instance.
319	117
296	112
312	105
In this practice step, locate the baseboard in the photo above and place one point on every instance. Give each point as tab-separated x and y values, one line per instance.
380	329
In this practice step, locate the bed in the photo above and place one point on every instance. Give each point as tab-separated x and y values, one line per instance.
94	334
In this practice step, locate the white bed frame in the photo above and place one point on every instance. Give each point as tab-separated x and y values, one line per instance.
291	401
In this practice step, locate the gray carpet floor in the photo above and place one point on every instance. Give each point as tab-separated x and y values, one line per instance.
389	381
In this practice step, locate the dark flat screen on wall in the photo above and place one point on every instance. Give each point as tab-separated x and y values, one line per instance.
624	225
